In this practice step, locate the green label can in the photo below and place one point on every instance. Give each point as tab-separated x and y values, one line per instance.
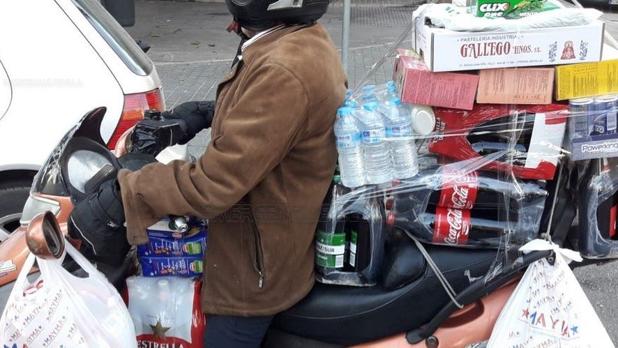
353	244
330	249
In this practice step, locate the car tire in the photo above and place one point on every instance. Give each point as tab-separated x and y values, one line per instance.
13	196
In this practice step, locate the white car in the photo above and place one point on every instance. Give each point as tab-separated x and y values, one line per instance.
58	60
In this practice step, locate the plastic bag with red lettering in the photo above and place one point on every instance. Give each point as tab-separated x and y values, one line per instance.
166	311
61	310
549	308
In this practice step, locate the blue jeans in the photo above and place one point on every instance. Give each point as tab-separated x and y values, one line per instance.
224	331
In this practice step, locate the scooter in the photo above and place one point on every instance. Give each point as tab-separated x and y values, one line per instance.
417	312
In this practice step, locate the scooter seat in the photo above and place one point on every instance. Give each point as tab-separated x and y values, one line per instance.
348	315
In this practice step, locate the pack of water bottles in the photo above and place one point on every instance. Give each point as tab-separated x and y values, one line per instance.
375	137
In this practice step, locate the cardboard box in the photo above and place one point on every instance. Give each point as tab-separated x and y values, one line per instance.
531	86
602	146
593	132
447	50
417	85
586	80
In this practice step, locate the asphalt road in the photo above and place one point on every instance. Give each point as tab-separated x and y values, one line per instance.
192	51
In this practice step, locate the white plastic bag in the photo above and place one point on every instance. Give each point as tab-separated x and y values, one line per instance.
166	311
61	310
549	308
458	19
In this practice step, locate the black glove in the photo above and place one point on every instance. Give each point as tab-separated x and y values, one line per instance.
197	115
98	222
177	126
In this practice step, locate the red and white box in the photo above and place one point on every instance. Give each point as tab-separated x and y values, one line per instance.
455	128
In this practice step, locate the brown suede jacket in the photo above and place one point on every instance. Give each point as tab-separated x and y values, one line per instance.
263	177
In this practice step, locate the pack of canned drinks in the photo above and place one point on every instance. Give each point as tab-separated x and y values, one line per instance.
593	127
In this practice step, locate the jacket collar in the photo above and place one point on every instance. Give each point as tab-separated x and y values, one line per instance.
260	35
249	47
266	37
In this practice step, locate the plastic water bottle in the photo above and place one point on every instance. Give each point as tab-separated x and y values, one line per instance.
386	91
352	103
376	156
349	148
399	139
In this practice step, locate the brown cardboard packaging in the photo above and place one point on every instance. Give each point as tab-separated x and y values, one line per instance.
417	85
532	86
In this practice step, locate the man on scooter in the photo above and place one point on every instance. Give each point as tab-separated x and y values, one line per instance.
263	177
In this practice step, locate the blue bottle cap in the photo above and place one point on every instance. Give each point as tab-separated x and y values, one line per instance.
350	103
395	101
344	111
371	106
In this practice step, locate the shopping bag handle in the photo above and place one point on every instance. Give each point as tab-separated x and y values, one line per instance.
46	241
44	237
567	255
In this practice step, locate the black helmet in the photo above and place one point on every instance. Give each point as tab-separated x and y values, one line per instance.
263	14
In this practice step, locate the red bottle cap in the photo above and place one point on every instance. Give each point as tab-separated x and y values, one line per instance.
390	219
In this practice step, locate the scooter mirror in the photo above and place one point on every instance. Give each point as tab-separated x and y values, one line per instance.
44	237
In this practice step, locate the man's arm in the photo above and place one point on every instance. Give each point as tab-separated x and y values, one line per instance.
255	136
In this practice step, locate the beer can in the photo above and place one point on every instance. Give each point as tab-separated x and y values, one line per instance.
607	120
580	111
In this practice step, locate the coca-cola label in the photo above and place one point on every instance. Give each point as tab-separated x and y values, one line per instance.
459	191
452	226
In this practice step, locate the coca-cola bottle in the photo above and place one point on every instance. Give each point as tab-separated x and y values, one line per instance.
481	226
451	226
470	190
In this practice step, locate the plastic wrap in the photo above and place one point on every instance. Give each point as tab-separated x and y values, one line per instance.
174	250
459	19
166	311
486	176
597	210
59	309
514	130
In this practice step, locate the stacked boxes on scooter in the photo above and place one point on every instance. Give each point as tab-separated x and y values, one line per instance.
170	252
